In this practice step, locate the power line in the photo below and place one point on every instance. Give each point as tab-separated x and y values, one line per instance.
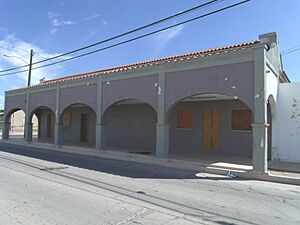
135	38
291	50
120	35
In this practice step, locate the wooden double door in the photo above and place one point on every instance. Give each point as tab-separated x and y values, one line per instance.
211	129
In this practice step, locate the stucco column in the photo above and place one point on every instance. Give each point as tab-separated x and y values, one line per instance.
162	128
6	124
5	131
28	122
57	132
99	126
162	140
28	131
259	126
100	136
58	125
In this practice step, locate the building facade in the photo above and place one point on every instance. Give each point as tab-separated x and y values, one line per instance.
218	101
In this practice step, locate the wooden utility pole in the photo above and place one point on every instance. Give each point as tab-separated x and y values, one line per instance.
30	65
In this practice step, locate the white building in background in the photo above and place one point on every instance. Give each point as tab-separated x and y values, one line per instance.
288	122
17	123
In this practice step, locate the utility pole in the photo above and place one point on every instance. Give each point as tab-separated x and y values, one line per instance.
30	65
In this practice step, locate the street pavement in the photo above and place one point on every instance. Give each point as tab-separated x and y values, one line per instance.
47	187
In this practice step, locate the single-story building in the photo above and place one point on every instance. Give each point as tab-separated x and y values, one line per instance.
220	101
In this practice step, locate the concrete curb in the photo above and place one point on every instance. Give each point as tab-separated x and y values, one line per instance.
171	163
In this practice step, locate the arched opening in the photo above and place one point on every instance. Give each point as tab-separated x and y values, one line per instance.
78	125
271	120
43	120
15	120
210	124
130	125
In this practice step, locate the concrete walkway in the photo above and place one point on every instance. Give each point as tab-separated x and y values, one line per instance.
285	166
210	163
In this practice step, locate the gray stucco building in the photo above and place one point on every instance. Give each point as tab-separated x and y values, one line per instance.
217	100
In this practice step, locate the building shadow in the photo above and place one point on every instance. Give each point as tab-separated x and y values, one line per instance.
111	166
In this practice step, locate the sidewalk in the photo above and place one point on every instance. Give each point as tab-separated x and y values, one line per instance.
243	170
285	166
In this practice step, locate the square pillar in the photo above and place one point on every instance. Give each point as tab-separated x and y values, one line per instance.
28	120
260	139
259	126
5	131
58	132
28	132
162	128
100	128
58	128
100	136
162	140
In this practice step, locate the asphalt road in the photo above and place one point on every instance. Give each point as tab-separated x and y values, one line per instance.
45	187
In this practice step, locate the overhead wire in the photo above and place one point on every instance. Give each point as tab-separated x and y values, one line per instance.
135	38
120	35
291	50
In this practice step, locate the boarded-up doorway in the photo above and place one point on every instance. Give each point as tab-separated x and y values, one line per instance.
211	129
84	128
50	125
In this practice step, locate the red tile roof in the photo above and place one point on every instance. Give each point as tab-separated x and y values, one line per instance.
175	58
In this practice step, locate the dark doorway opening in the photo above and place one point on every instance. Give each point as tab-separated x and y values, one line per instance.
50	125
84	131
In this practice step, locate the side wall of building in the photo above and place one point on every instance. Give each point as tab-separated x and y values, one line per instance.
272	83
289	122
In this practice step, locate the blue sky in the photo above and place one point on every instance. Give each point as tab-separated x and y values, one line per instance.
56	26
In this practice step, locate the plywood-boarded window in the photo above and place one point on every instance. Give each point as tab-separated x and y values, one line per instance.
67	119
185	119
241	119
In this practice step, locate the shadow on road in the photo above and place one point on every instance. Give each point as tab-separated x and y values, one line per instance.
112	166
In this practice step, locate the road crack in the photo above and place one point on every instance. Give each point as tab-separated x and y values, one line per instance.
134	216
